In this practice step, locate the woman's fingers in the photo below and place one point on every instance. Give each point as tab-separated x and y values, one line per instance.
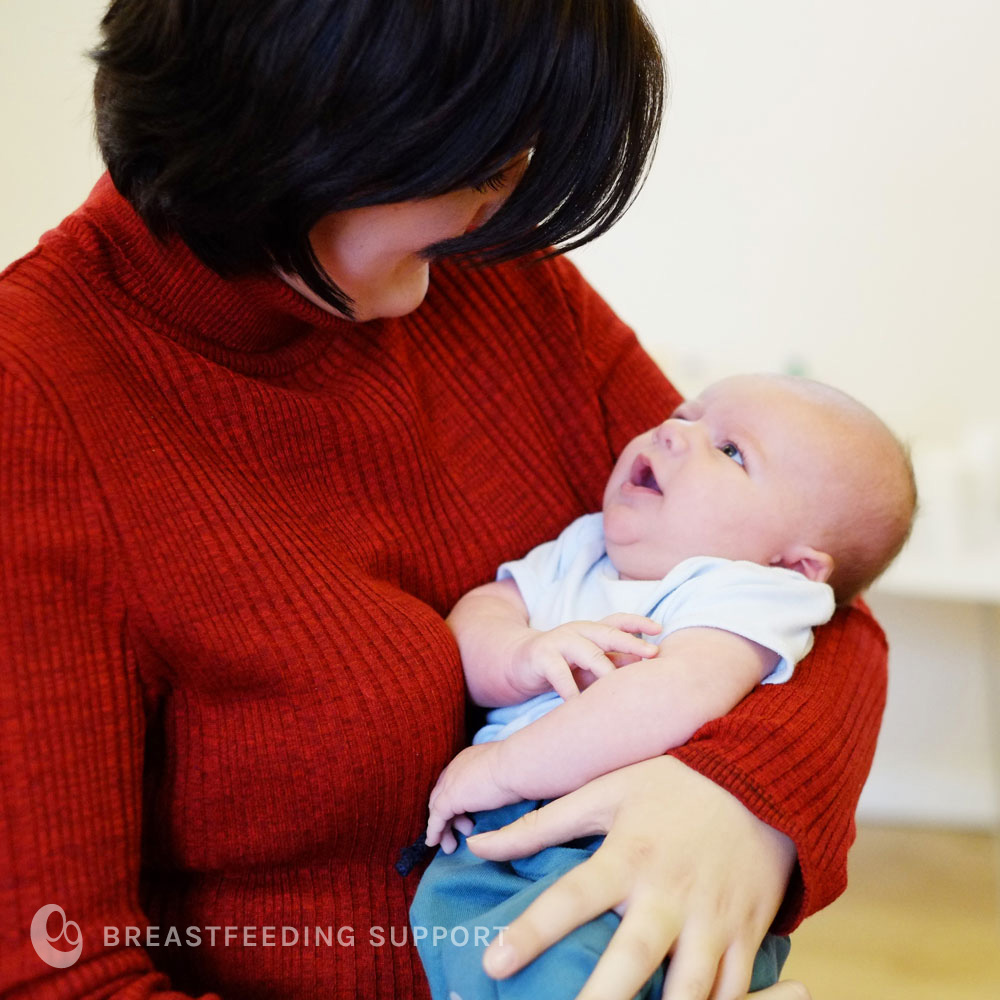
576	898
676	843
694	970
788	989
736	968
579	814
634	952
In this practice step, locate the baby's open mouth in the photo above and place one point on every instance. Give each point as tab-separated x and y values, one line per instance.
642	476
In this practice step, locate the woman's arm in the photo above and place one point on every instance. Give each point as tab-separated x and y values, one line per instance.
797	755
72	719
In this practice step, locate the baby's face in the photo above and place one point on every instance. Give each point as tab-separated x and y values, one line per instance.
746	470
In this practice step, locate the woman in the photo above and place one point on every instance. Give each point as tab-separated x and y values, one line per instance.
263	430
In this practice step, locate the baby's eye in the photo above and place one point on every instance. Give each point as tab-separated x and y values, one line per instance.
730	450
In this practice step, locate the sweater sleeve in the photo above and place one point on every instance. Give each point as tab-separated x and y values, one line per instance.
795	754
71	723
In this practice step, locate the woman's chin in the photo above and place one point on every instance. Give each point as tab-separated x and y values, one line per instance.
398	297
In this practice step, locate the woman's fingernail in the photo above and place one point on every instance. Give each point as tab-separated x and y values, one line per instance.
499	961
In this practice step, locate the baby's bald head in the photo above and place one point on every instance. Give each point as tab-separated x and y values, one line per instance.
867	500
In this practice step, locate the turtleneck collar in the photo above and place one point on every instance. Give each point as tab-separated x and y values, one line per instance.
255	322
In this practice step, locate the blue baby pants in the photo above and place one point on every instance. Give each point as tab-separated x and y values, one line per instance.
463	901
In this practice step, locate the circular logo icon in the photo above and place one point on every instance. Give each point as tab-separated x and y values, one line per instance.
42	942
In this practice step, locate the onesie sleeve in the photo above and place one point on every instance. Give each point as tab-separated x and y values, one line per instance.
71	724
538	570
795	754
772	606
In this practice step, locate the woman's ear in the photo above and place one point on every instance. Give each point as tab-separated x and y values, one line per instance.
810	562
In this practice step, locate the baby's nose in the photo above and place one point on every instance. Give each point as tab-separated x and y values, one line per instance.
674	434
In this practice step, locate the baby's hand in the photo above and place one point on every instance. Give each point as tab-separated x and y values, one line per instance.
466	785
568	658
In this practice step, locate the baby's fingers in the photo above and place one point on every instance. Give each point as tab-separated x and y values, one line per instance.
611	639
464	824
632	623
559	674
435	827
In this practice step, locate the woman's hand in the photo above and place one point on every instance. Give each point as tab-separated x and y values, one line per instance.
786	990
693	873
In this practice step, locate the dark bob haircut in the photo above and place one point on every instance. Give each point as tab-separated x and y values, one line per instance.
238	125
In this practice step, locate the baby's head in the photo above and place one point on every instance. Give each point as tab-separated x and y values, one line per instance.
772	469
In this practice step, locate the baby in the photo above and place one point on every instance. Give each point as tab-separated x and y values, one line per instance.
727	533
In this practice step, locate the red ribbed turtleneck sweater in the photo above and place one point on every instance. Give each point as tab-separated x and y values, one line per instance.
230	526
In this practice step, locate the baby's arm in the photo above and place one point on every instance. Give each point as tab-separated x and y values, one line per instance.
634	714
506	661
628	715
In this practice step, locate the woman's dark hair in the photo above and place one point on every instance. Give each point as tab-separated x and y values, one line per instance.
239	125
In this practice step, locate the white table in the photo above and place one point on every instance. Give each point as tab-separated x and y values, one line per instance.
966	577
970	577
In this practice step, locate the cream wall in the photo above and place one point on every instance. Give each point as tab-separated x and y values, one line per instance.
824	198
49	160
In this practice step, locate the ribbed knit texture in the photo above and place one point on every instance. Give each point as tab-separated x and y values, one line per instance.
230	525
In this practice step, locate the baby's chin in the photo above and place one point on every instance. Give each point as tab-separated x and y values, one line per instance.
611	522
622	556
629	550
622	525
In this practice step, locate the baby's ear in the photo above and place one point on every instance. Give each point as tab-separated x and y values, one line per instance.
810	562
